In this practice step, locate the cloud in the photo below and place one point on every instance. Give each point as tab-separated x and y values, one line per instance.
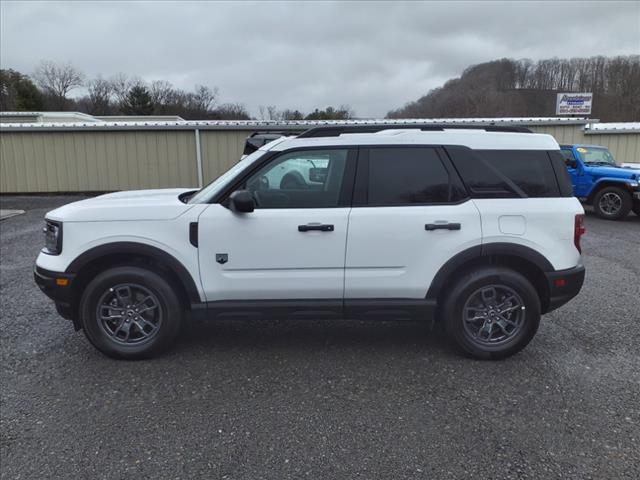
374	56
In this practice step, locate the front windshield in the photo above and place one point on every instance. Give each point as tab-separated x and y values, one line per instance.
596	155
205	194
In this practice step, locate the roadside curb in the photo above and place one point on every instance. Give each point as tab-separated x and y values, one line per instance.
4	214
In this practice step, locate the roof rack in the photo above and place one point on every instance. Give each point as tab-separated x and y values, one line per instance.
337	130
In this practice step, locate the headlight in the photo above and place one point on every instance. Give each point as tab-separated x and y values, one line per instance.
52	237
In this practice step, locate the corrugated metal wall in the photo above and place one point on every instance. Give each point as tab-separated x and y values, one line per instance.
77	161
625	147
87	160
221	149
562	133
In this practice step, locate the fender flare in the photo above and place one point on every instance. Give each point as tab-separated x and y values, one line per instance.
618	182
480	251
134	248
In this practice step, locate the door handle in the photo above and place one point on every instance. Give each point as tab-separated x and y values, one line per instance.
442	226
315	226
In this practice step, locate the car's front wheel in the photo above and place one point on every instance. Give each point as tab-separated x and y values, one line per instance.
130	313
636	208
492	313
612	203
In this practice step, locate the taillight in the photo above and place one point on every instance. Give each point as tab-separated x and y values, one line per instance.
578	231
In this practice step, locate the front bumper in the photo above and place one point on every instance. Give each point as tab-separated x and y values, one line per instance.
58	287
563	286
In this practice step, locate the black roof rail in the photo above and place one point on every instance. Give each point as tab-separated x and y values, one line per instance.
336	130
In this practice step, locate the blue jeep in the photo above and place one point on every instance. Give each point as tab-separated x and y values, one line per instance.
598	180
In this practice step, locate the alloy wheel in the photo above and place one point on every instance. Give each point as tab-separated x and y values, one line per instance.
610	203
129	314
493	315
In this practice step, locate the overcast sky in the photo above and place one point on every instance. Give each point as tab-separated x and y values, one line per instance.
374	56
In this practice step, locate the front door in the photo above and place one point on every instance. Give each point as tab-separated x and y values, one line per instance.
292	246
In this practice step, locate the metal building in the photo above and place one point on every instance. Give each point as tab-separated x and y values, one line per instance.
85	156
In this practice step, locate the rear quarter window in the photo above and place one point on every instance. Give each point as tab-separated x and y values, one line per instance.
530	170
506	173
560	169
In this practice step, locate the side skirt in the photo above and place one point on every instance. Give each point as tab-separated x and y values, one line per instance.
379	309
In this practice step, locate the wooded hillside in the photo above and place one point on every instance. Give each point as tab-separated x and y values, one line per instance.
522	88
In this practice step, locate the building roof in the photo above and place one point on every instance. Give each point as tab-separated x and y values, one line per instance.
140	118
274	125
50	117
620	127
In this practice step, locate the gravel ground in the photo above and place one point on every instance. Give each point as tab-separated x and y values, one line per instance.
296	399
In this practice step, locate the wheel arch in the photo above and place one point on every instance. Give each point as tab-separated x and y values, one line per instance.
97	259
520	258
605	183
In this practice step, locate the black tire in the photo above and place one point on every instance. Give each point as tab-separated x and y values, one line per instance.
454	312
636	208
165	317
619	206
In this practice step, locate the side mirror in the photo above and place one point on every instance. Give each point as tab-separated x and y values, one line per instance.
241	201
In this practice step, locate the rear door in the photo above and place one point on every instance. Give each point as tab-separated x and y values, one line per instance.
410	215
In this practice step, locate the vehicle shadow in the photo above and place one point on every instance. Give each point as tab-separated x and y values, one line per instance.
590	214
297	335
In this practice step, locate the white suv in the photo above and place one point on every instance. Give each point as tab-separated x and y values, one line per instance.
475	227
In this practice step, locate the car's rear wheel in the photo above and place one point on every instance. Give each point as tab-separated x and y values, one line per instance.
492	313
612	203
130	312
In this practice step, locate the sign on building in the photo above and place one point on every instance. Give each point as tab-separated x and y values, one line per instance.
574	103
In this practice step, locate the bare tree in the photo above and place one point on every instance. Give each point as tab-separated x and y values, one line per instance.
100	92
270	112
289	114
230	111
203	98
162	94
57	80
343	112
121	84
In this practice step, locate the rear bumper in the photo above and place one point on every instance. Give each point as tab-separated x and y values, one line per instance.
53	286
563	286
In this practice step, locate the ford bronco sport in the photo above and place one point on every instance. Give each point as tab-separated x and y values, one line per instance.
474	227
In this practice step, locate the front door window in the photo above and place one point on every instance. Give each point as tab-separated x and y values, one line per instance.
303	179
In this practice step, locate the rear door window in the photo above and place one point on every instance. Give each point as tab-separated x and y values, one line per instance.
409	176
